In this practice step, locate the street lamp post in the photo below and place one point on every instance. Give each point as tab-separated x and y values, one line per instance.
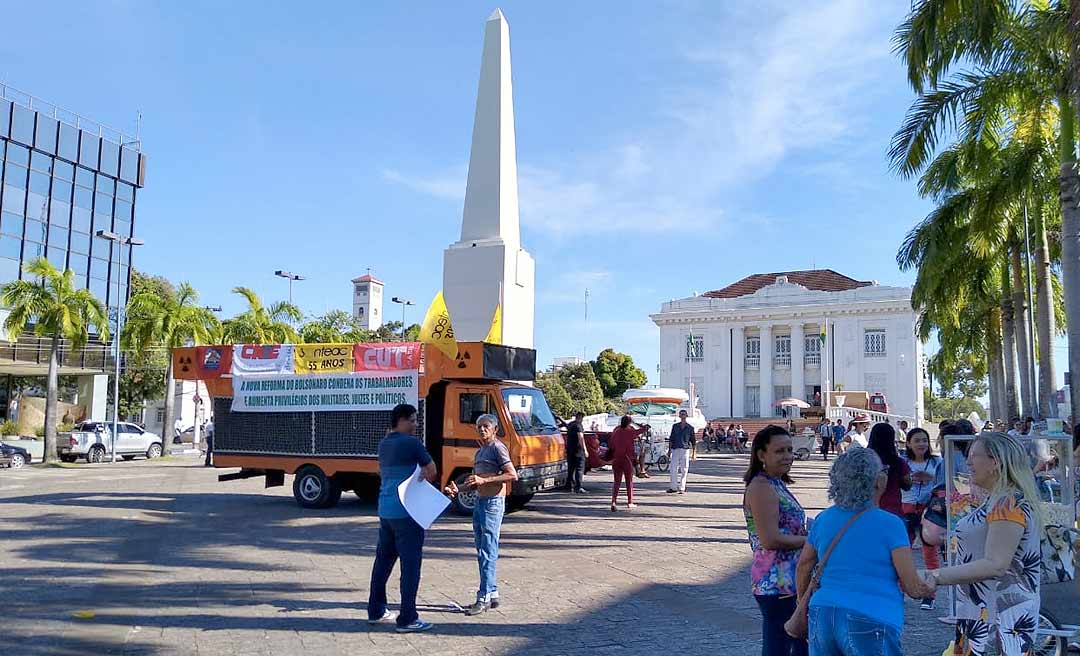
403	302
290	277
119	241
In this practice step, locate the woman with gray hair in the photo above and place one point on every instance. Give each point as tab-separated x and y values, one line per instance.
492	472
858	608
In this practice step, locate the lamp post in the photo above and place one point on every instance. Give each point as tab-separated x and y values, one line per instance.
403	303
119	241
290	277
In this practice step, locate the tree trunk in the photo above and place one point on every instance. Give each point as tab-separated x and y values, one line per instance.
51	393
170	402
995	367
1008	331
1069	182
1022	319
1044	318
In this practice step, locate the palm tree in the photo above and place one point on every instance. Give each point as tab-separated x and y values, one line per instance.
168	321
1018	89
263	325
334	326
50	304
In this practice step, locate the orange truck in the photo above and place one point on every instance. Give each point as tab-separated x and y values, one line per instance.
329	452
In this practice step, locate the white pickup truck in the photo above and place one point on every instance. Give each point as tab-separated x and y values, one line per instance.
91	440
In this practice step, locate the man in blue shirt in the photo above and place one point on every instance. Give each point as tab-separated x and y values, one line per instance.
400	538
680	444
838	432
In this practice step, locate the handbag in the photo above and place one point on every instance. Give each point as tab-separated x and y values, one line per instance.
798	626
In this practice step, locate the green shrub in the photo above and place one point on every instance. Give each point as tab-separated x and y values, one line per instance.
9	428
40	432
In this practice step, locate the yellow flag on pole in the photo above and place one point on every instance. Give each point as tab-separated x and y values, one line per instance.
494	335
436	329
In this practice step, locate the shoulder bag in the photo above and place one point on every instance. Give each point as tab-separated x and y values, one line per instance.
799	624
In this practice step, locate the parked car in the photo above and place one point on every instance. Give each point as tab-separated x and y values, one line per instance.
91	440
14	457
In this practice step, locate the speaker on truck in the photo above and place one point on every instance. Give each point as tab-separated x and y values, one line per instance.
327	434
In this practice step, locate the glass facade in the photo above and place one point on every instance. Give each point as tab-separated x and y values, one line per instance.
60	185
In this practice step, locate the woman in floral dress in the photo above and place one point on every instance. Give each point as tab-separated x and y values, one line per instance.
777	526
998	554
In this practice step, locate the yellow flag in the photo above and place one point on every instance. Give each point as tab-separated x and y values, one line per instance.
494	335
436	329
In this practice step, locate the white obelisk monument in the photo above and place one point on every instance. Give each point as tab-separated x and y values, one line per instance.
488	266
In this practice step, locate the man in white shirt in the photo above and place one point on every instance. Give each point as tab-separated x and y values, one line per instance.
178	428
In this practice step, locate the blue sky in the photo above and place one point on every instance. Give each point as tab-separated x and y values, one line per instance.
663	147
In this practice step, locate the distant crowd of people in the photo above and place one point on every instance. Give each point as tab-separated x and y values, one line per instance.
831	585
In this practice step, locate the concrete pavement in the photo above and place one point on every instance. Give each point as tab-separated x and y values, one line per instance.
160	558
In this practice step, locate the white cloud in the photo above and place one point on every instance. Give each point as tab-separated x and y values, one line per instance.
755	88
569	286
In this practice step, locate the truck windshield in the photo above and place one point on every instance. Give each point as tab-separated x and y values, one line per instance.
529	411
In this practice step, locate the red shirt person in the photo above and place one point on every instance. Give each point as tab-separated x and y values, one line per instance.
621	454
883	442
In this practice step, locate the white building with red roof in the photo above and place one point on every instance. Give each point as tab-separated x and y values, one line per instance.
795	334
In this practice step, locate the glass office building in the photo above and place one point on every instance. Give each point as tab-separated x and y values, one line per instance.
64	180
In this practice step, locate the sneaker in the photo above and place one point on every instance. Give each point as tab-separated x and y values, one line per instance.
478	608
415	627
493	603
582	490
387	615
682	491
672	491
631	506
927	604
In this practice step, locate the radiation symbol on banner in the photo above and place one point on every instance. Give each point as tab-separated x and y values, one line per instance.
185	364
461	358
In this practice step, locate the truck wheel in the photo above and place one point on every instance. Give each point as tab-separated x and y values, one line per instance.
662	463
68	458
314	489
154	451
96	455
17	461
517	502
465	500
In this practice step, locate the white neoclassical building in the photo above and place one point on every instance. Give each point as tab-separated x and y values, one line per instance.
797	333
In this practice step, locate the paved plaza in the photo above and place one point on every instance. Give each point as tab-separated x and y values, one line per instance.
159	558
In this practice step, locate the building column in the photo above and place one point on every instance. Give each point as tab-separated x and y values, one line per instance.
798	384
93	394
768	357
737	371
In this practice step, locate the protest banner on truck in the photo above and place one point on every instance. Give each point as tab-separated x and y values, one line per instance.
363	390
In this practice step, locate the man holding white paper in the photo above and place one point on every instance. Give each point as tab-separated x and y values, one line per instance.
492	472
400	537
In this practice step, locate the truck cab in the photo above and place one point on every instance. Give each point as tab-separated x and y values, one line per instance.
526	426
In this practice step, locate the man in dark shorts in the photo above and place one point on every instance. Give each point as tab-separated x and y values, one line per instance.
400	537
576	452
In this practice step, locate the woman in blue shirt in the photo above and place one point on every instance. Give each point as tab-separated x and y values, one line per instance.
859	608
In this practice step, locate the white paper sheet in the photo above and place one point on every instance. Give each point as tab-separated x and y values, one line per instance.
422	501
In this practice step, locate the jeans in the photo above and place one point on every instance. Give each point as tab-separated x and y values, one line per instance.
487	523
209	450
398	539
843	632
575	470
775	611
680	467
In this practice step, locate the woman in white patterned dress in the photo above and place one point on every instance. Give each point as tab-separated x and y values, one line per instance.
998	554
